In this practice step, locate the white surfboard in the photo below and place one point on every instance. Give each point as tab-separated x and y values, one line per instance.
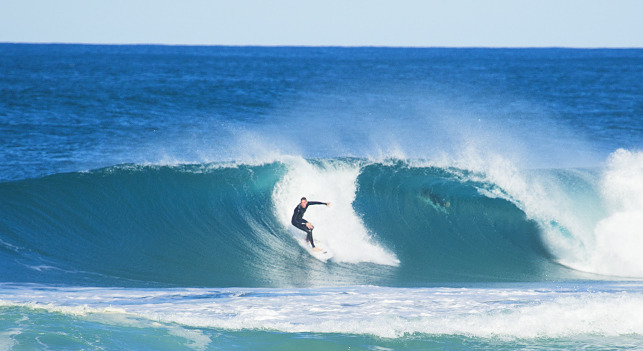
323	255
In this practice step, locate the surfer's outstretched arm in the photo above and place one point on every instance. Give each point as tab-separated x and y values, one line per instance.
318	203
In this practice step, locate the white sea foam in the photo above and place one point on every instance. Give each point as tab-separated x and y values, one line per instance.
7	338
527	312
338	227
619	236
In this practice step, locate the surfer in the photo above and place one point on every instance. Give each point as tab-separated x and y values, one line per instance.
299	222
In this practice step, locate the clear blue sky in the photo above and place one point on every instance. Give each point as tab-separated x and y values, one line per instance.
494	23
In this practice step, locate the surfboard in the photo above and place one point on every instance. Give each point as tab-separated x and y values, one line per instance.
300	237
323	255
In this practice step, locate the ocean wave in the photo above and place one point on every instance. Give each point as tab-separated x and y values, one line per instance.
393	222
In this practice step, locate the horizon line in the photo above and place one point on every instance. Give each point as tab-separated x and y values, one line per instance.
329	46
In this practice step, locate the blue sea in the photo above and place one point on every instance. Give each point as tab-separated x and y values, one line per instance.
481	199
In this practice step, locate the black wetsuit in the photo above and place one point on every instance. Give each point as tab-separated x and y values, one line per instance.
299	221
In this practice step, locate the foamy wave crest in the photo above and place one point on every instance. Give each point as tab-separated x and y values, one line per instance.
338	227
619	237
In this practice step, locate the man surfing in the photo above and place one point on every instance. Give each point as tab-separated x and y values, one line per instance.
299	222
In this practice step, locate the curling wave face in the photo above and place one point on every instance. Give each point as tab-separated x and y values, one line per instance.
393	222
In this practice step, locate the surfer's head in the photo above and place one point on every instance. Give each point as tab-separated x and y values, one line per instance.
304	202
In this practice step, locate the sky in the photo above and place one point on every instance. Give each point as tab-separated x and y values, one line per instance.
429	23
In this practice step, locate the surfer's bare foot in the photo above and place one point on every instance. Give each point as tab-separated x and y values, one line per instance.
316	249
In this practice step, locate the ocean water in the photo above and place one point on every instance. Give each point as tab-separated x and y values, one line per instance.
487	199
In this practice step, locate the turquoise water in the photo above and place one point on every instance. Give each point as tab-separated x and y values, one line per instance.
481	198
